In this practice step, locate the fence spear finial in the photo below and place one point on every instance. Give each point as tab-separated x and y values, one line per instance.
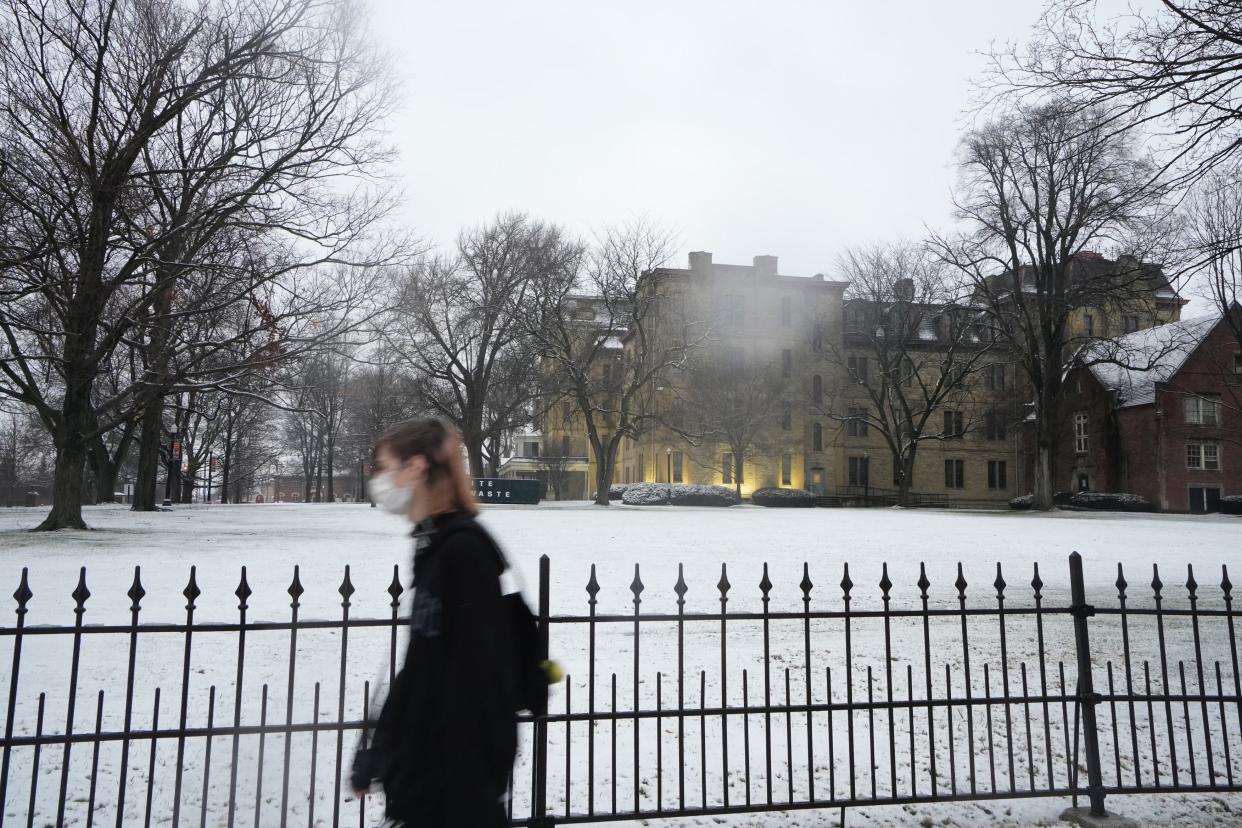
394	588
191	591
592	587
806	584
136	591
243	591
680	587
886	585
81	593
23	594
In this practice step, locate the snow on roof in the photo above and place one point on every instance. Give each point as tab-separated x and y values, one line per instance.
1144	358
613	342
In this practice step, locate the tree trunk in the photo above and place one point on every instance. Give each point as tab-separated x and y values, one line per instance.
147	475
738	462
603	472
1043	476
907	472
331	469
226	462
187	485
75	420
1045	429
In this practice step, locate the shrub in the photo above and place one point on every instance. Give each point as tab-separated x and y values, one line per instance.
702	495
646	494
1023	502
1111	502
664	494
1231	505
617	490
783	498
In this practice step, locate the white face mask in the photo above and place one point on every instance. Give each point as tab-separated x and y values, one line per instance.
388	495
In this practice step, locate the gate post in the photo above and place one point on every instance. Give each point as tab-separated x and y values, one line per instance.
539	805
1087	697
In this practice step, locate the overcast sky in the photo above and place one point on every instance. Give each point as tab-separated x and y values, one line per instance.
778	127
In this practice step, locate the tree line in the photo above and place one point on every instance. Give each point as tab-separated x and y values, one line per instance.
196	242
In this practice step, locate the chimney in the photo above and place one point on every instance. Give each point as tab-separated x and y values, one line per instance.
765	266
701	262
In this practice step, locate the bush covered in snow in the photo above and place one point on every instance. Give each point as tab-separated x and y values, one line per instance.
617	490
664	494
1023	502
1231	505
787	498
645	494
1111	502
702	495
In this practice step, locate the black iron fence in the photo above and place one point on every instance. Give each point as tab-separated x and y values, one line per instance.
853	698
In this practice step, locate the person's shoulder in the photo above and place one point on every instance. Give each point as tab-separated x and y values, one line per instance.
469	545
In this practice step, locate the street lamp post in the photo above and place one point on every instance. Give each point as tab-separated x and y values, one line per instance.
668	474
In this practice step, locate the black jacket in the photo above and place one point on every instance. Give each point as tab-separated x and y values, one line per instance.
444	743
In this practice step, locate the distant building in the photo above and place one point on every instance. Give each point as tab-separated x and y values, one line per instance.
291	488
1172	434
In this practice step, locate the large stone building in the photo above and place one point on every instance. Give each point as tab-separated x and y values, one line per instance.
803	334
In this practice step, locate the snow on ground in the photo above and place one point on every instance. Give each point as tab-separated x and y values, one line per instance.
321	540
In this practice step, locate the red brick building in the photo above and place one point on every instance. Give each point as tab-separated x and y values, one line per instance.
1162	420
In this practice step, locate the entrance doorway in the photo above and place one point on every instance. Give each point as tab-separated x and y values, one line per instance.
1204	499
817	481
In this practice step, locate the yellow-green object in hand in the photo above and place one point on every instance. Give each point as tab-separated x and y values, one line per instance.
553	671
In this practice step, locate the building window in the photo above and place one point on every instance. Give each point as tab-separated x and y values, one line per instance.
997	477
954	425
677	467
1080	432
786	363
786	417
530	448
734	313
995	425
859	471
677	412
817	389
786	311
857	366
566	413
565	445
817	339
856	425
1201	410
1088	324
1129	324
786	469
908	371
955	474
817	437
1203	456
726	468
996	376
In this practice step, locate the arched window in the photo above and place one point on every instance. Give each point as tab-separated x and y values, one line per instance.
817	437
817	389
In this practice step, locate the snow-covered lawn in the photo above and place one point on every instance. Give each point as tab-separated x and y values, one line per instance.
321	540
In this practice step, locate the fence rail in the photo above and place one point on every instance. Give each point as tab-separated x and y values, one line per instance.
849	701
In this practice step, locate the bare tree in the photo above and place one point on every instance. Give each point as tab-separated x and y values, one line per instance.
458	325
1213	225
912	345
1040	188
1173	69
595	333
275	103
555	463
725	401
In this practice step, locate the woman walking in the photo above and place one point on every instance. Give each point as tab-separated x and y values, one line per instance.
443	745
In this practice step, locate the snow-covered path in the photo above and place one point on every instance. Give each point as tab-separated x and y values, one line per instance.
322	539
